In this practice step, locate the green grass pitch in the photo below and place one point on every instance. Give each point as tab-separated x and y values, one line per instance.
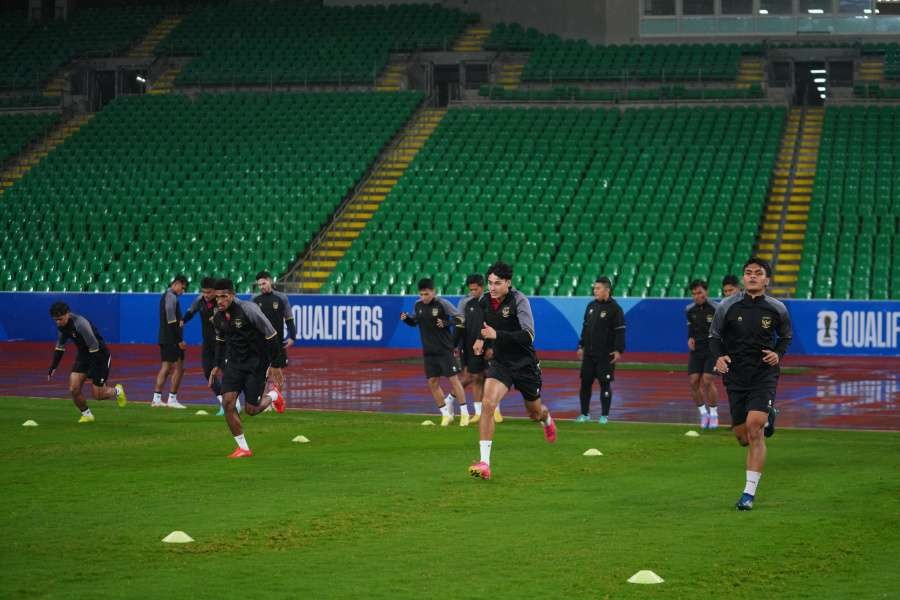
378	506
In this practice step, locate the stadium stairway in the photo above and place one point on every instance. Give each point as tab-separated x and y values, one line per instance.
510	76
40	149
57	83
871	69
472	39
147	46
784	225
165	83
335	239
750	72
391	79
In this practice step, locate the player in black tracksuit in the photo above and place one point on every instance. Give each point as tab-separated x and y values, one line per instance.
434	317
749	336
600	347
471	319
205	306
701	364
508	333
171	344
246	345
92	362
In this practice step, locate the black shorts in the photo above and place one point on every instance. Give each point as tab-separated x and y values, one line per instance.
97	372
597	368
170	353
525	379
473	363
250	381
280	361
701	362
740	402
441	365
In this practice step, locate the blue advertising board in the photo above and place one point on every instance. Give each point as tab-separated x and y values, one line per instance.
821	327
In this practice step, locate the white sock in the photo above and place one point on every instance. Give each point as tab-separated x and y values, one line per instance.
445	410
702	409
449	399
478	408
241	442
752	482
87	412
714	411
237	406
273	395
485	446
173	397
219	398
548	421
464	409
157	397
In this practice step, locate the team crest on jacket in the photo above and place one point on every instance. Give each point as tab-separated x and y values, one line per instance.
505	312
602	314
275	305
709	318
435	312
238	323
766	322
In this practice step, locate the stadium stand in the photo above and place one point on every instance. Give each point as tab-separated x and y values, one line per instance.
851	247
222	184
658	94
556	59
39	50
290	43
17	131
645	196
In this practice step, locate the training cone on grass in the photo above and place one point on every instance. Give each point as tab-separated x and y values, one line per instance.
592	452
301	439
428	423
29	423
645	577
178	537
692	433
201	412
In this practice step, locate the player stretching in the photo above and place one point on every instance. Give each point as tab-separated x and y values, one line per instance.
205	306
92	362
701	364
433	316
749	335
509	332
246	344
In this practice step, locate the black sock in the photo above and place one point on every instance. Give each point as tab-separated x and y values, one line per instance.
585	395
605	397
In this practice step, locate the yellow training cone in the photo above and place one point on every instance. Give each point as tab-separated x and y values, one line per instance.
646	577
178	537
301	439
29	423
592	452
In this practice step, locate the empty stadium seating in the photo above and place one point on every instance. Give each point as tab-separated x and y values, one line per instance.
556	59
17	131
220	185
42	49
851	248
650	197
287	42
656	94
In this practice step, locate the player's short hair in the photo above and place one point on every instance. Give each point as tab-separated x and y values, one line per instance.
426	283
604	280
58	309
180	278
501	270
263	275
224	284
476	278
698	283
208	283
755	260
731	280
